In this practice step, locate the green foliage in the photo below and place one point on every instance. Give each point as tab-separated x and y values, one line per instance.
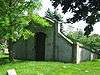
13	20
15	16
40	21
91	41
86	10
55	16
2	46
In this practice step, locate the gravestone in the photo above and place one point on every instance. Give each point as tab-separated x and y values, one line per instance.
11	72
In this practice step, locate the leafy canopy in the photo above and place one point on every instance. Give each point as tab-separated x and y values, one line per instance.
92	41
55	16
13	18
87	10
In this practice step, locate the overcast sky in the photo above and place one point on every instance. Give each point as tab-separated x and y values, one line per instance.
80	25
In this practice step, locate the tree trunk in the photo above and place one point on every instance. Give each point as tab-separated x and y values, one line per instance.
10	49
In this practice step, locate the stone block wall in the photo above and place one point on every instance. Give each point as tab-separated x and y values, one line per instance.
84	54
63	49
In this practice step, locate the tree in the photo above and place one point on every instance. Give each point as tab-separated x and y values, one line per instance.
92	41
53	15
87	10
13	20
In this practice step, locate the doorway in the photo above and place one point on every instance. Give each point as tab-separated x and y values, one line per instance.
40	46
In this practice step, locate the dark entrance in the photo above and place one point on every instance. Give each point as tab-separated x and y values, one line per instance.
40	46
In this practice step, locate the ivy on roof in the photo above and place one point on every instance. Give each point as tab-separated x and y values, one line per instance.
40	21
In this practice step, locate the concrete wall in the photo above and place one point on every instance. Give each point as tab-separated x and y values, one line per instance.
49	45
24	49
84	54
70	51
19	49
57	47
63	49
30	49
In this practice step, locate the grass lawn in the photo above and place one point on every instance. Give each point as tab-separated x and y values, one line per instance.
49	68
52	68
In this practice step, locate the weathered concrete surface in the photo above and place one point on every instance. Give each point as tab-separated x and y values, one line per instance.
57	47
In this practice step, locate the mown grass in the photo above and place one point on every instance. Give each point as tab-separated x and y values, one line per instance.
51	68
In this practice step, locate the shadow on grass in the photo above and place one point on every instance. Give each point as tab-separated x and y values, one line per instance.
4	60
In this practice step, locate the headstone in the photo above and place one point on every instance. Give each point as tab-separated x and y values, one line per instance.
11	72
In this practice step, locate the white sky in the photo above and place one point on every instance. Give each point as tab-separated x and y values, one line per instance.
80	25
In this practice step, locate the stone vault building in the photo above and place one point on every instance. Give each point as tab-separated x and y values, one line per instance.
51	45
